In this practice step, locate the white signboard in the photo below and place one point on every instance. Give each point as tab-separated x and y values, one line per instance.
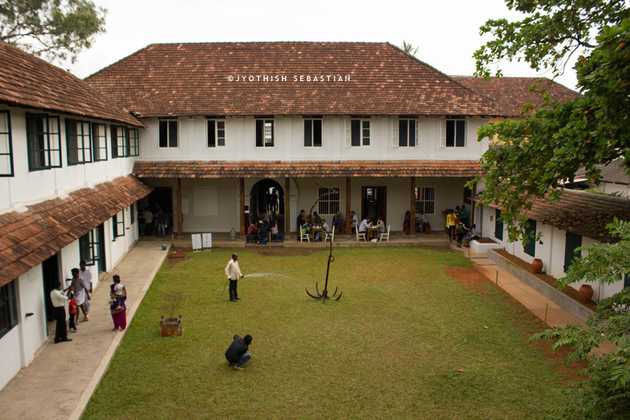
201	241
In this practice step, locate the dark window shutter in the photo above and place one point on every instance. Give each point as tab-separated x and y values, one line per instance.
71	142
212	141
317	133
412	133
172	134
308	133
356	132
259	133
163	133
498	225
402	133
366	133
450	133
529	242
571	243
114	141
461	133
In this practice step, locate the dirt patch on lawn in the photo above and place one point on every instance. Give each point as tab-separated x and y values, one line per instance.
285	252
470	278
177	255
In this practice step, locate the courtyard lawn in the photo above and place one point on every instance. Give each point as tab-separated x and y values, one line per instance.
406	341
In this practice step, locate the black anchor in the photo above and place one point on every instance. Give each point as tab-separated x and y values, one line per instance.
323	295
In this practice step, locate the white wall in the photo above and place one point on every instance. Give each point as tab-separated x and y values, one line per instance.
550	249
27	187
10	351
240	140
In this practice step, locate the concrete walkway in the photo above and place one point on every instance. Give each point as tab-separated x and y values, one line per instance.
59	382
535	302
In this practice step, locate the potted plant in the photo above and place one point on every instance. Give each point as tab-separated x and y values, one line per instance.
171	325
586	293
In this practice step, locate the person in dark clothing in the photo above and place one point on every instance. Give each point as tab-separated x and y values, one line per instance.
237	353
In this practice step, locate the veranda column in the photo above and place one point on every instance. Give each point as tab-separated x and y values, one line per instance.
241	191
412	205
348	205
179	216
287	208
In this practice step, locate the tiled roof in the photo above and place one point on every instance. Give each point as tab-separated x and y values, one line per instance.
615	172
581	212
193	79
28	238
300	169
512	93
26	80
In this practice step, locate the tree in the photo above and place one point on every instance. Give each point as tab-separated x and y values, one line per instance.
532	157
54	29
409	48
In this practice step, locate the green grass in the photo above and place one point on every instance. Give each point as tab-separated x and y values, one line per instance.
391	348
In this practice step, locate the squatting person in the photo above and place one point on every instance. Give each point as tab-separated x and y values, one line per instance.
237	354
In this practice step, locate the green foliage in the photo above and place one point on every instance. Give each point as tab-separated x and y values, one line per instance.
55	29
533	156
409	48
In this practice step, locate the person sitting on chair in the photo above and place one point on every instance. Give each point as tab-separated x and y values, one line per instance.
363	226
237	353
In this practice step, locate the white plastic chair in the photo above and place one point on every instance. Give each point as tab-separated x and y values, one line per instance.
385	235
360	235
304	235
330	235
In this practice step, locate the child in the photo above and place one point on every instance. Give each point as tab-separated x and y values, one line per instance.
73	310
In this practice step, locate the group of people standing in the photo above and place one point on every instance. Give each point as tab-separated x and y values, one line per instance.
458	225
154	222
264	230
77	296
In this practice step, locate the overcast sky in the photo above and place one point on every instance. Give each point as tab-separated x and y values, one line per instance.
446	31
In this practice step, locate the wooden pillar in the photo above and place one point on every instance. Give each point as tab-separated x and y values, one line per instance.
241	191
179	216
348	205
412	205
287	206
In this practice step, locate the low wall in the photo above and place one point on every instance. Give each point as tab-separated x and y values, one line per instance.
557	296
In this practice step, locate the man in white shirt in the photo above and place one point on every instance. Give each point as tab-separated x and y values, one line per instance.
363	226
58	300
233	273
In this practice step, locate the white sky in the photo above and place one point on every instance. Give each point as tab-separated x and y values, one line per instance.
446	31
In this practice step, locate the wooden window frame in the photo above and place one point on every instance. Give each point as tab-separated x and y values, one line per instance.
364	127
530	240
9	146
455	121
408	131
118	220
422	202
99	142
47	135
89	243
331	198
213	126
313	120
9	306
78	142
168	140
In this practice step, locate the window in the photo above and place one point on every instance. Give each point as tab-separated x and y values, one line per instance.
455	133
89	247
44	142
572	242
132	214
168	133
8	308
360	132
6	145
529	242
78	142
133	140
329	200
498	225
264	133
425	200
313	132
120	141
406	132
99	142
118	224
216	133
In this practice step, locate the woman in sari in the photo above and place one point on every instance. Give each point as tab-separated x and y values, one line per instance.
118	296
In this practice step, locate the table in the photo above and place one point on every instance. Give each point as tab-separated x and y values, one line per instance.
372	232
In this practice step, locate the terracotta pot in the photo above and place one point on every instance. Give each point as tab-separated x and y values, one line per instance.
586	293
536	266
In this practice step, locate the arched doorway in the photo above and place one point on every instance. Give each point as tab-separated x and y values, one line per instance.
266	199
